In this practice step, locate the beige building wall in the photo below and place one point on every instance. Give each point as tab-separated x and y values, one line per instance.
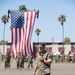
67	48
5	49
55	48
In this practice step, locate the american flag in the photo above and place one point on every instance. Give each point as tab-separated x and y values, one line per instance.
22	24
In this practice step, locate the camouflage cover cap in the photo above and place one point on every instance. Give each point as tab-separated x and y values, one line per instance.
42	45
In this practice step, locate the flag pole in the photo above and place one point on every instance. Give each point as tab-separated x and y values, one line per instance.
37	12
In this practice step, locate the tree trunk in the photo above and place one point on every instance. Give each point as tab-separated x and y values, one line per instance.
3	40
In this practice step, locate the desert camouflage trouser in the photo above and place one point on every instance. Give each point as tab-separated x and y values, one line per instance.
41	72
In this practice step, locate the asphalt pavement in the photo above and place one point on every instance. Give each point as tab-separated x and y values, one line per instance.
56	69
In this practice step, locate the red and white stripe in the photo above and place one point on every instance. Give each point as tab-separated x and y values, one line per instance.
21	37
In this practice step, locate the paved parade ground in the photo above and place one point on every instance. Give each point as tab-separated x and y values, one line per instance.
56	69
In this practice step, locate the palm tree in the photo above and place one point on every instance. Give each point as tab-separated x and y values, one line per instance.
4	19
23	8
37	31
67	40
62	19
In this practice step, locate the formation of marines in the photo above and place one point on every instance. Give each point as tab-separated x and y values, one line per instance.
30	61
7	60
20	60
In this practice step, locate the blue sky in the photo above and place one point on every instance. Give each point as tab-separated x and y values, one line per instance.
49	11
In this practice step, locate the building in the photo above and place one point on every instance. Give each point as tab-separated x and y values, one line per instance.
53	47
50	46
3	47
